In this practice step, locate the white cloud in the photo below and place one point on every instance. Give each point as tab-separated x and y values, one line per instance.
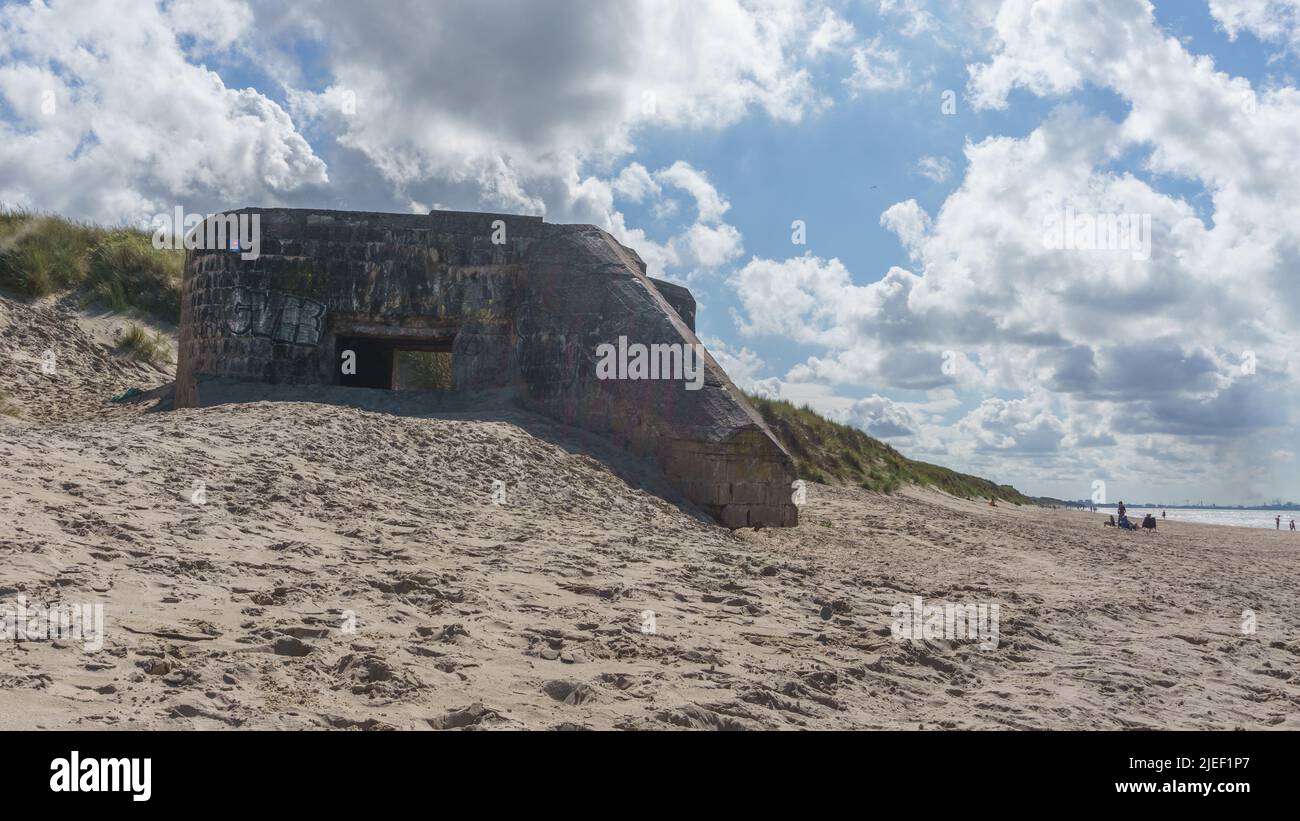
1270	20
559	92
832	35
742	365
883	417
1019	425
1103	348
877	68
936	169
703	245
917	19
769	388
805	299
635	184
908	221
112	121
416	108
707	246
215	24
708	201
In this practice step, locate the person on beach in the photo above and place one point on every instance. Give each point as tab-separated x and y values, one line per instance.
1293	524
1162	514
1122	509
1278	520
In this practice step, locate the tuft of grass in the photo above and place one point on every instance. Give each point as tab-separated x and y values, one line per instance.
830	453
125	269
137	343
111	295
882	479
42	254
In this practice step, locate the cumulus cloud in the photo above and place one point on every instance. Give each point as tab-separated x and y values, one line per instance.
742	365
1269	20
908	221
1019	425
112	120
214	24
561	101
700	246
936	169
1096	320
559	93
883	417
769	388
464	104
917	19
708	202
832	35
1102	345
635	184
806	299
877	67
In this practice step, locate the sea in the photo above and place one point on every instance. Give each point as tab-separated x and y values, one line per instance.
1215	516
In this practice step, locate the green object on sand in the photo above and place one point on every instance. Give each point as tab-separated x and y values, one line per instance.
127	394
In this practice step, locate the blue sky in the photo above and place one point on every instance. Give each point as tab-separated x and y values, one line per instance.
697	132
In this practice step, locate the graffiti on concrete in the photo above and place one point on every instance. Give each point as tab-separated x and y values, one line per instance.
554	360
467	345
273	315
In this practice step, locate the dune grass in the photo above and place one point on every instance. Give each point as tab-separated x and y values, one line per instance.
125	269
137	343
120	268
830	453
41	255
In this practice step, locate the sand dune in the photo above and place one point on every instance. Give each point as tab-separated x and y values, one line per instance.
83	371
349	568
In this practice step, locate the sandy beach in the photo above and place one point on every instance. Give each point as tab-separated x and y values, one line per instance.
298	564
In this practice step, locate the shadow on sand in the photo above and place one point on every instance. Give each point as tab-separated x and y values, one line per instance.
488	406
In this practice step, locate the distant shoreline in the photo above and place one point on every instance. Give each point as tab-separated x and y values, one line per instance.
1292	508
1247	518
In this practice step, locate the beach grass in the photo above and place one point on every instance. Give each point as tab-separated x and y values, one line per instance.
137	343
829	453
119	268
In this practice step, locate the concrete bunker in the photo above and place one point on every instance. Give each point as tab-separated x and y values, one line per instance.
489	304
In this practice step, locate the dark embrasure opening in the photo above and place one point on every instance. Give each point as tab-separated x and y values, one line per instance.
394	363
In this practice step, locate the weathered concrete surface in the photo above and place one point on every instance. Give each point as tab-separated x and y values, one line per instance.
525	313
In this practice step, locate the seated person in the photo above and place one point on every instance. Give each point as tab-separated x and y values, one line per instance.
1149	522
1110	523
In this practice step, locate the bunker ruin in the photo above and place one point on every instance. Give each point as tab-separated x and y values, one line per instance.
480	303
